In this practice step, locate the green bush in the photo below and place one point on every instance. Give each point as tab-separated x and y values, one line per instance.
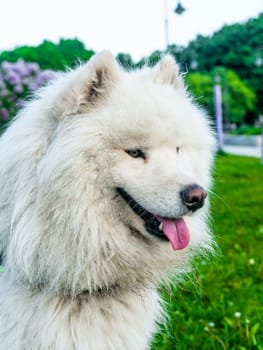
247	130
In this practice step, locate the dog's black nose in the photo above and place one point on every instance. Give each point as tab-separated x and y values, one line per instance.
193	197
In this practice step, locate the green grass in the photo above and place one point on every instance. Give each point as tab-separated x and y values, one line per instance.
222	306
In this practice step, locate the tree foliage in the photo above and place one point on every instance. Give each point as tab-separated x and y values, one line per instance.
49	55
237	98
238	47
125	60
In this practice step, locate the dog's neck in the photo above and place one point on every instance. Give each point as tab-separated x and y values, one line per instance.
123	319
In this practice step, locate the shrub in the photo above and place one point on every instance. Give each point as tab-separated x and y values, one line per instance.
246	130
17	81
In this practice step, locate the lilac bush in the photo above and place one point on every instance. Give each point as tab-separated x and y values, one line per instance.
17	81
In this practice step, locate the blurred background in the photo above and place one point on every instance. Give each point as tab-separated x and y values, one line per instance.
219	46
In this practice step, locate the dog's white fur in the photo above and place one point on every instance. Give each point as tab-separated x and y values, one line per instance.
80	270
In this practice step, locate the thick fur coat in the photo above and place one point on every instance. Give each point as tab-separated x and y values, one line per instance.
80	267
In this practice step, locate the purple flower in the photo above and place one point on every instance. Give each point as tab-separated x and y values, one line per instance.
6	66
21	68
33	86
13	78
16	81
4	114
32	68
18	89
47	75
42	79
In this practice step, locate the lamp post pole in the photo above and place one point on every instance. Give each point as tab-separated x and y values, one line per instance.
179	9
218	113
166	25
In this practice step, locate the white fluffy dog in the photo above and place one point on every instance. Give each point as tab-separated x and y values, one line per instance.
104	178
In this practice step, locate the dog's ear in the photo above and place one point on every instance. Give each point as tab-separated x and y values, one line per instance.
167	72
88	85
103	72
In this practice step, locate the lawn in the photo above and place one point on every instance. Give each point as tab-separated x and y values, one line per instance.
221	306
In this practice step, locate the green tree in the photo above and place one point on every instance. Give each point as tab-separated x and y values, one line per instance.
237	98
241	98
150	60
125	60
201	87
50	55
237	47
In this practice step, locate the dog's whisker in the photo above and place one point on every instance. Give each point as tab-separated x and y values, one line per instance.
220	198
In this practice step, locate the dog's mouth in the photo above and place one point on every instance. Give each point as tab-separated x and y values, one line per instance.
166	229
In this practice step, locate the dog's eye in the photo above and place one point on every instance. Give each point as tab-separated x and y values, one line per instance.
135	153
177	150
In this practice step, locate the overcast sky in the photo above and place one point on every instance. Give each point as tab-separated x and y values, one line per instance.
134	26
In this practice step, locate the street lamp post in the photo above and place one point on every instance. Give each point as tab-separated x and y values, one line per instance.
179	10
166	24
218	113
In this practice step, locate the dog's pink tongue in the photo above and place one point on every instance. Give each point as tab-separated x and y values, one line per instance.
176	231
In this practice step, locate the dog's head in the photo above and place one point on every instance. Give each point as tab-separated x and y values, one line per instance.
119	185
